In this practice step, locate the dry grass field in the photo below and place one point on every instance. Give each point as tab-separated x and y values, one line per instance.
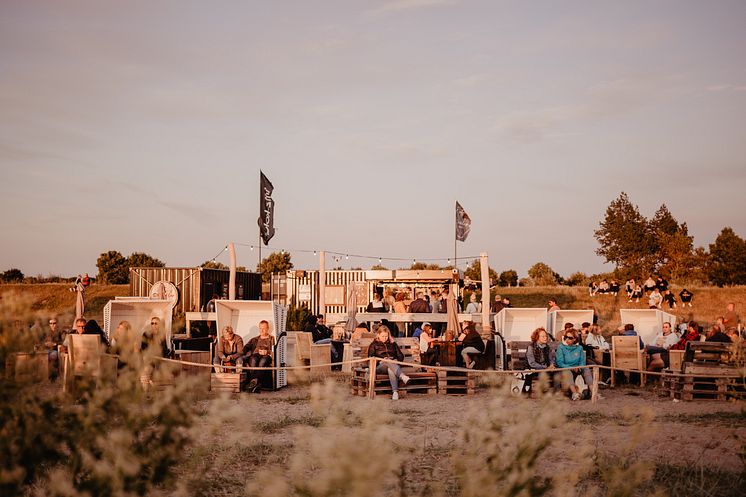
56	298
322	441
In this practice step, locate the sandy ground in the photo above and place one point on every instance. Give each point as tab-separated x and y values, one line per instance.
707	434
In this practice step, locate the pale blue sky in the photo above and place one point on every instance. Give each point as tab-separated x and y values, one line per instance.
142	126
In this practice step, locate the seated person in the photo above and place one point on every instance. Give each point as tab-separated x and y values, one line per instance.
571	355
659	349
321	334
155	336
428	345
473	345
123	343
732	332
359	330
92	328
385	347
258	354
229	351
614	287
691	335
670	299
539	355
584	330
49	343
628	330
79	330
636	294
686	297
716	335
595	339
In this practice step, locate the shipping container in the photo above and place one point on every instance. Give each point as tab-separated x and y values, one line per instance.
195	286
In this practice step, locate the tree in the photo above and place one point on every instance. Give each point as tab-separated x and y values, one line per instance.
543	275
727	264
577	278
675	251
474	272
508	278
213	265
378	267
112	268
12	275
140	259
625	237
276	262
421	266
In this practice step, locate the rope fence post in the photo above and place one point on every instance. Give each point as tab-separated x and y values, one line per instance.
372	377
594	387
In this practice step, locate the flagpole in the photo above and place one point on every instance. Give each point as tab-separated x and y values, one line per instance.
455	239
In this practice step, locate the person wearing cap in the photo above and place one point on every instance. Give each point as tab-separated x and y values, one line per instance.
428	345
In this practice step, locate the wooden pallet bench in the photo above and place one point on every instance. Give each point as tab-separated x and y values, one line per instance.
457	382
422	382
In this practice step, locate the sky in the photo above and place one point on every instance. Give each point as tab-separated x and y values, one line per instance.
143	125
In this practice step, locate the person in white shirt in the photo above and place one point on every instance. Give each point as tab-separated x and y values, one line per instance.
658	350
595	339
428	347
655	299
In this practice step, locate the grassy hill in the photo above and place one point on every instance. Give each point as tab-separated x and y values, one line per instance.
709	302
57	299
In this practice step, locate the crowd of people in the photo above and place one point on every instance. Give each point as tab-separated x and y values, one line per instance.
655	289
577	349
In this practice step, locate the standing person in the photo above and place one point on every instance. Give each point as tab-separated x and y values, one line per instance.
552	305
571	355
86	281
377	305
419	304
686	297
434	302
497	306
258	354
385	348
731	319
473	307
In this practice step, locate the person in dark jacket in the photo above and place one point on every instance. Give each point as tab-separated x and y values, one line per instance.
385	348
716	335
92	328
258	354
473	345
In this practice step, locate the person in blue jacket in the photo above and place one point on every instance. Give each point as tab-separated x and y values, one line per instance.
570	354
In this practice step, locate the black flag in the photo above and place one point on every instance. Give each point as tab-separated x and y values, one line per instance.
266	219
463	223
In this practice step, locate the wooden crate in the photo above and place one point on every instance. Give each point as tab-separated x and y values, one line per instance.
420	382
225	382
457	382
27	368
703	388
670	387
321	358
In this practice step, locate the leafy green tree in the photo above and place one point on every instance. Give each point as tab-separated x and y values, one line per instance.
474	272
543	275
508	278
625	237
112	268
276	262
140	259
577	278
12	275
728	259
675	251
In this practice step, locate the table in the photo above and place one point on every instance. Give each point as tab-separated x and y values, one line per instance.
449	352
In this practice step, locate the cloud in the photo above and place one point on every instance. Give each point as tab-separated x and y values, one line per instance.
600	101
408	5
726	87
